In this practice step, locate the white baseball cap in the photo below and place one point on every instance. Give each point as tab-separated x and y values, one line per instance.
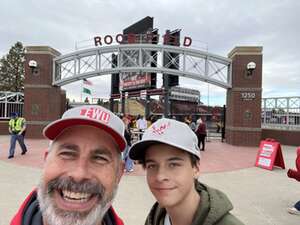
91	115
166	131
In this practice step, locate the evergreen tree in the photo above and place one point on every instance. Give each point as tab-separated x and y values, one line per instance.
12	69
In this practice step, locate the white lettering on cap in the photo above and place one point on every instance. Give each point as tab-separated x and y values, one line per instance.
96	114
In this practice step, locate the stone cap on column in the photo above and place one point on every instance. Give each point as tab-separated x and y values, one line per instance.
42	50
245	50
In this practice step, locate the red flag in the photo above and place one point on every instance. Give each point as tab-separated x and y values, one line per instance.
87	82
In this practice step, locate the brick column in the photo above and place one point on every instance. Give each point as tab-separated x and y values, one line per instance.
243	114
43	102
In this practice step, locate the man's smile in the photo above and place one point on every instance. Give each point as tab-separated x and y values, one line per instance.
75	201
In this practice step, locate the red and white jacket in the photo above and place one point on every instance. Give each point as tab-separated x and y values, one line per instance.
295	173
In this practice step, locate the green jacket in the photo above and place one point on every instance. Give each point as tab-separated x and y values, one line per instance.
213	209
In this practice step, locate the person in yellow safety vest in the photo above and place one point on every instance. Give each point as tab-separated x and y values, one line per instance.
16	128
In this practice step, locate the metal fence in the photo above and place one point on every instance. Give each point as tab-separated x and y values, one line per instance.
281	113
11	102
277	113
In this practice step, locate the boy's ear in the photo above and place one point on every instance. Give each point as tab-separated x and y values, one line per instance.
197	170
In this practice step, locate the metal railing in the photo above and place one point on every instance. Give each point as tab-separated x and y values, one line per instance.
281	113
11	102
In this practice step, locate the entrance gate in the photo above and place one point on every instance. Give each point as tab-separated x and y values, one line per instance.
194	64
45	101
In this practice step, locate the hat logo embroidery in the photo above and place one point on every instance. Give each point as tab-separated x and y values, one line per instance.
96	114
161	129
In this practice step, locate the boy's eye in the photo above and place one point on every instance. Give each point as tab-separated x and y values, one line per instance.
172	165
150	166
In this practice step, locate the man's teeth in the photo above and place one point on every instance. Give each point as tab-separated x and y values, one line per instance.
69	195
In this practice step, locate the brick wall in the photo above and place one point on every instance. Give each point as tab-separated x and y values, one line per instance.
43	102
243	113
285	137
243	138
3	127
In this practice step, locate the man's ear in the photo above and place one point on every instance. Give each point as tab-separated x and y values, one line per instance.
46	154
121	170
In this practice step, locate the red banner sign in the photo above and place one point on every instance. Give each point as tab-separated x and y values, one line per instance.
131	81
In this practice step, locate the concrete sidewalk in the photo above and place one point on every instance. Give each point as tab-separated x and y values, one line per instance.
259	196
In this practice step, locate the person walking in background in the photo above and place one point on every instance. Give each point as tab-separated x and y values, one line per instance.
222	131
141	124
295	174
16	128
218	126
149	121
192	124
201	133
127	135
187	120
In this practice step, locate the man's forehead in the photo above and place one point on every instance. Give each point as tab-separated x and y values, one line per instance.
81	130
70	141
92	149
92	145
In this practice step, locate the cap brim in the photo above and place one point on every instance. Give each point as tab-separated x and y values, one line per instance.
137	151
52	130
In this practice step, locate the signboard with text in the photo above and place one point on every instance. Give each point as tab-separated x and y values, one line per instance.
139	32
143	94
269	155
133	81
246	96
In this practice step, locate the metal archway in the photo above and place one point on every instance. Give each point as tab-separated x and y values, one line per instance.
191	63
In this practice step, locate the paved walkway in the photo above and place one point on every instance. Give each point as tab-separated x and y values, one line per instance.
218	157
260	196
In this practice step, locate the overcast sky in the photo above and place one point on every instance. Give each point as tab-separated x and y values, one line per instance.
217	25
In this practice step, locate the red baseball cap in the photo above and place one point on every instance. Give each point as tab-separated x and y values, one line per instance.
95	116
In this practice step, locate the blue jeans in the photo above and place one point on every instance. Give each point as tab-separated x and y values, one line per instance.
128	161
297	205
13	139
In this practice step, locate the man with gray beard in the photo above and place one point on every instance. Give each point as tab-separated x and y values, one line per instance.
82	170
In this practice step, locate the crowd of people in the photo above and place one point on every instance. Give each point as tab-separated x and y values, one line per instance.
138	124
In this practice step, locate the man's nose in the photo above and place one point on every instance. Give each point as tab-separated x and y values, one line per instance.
80	171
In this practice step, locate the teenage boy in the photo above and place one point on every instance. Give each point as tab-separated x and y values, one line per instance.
170	155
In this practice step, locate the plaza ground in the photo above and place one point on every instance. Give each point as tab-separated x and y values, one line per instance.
259	196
